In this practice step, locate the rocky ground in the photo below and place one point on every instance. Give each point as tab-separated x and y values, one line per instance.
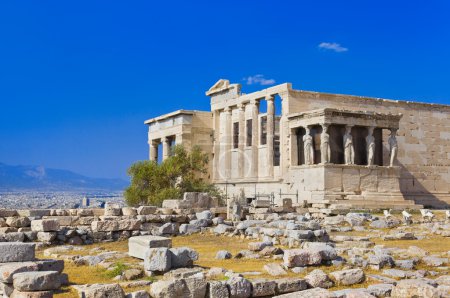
356	255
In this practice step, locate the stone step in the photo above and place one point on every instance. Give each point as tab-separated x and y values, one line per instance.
377	197
378	206
374	202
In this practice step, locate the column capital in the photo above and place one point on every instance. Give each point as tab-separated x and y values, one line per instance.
323	125
241	106
270	97
227	110
254	102
393	130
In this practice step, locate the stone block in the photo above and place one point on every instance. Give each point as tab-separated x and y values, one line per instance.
275	269
218	289
239	287
170	288
158	259
112	209
18	222
36	213
50	265
146	210
45	225
100	290
46	236
16	252
289	285
8	213
263	288
300	258
137	246
7	270
183	257
39	294
129	225
129	211
348	277
351	180
105	226
36	281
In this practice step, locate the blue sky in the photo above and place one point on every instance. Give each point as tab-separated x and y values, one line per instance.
77	79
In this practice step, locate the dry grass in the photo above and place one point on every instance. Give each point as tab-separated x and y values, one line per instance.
434	244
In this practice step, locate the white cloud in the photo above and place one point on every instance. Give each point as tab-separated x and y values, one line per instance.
332	46
259	79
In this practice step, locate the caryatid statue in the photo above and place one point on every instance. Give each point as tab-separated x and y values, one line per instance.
349	151
325	152
370	146
393	146
308	148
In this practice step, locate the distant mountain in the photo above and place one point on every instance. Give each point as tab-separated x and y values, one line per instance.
40	178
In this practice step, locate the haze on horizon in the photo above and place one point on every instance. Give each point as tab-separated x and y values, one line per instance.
78	81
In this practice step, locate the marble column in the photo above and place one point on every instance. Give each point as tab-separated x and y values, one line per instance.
166	148
270	133
153	151
255	138
241	140
216	146
294	148
228	139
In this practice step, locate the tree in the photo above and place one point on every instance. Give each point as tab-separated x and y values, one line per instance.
183	171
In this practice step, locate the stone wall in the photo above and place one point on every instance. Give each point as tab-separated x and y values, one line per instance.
423	137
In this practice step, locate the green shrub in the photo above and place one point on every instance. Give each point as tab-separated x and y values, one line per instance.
183	171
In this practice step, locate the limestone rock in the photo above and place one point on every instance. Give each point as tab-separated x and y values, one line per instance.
288	285
158	259
146	210
45	225
138	294
274	269
16	252
223	228
132	274
412	288
129	211
318	279
8	270
101	290
301	257
36	281
263	288
204	215
138	245
187	229
239	287
184	273
197	287
46	236
183	257
258	246
348	277
316	293
168	228
223	255
380	290
170	288
18	222
217	289
39	294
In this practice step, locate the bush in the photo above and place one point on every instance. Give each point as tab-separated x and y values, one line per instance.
183	171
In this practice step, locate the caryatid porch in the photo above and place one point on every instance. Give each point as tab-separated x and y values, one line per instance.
341	153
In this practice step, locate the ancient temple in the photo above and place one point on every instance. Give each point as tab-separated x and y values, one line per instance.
329	149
